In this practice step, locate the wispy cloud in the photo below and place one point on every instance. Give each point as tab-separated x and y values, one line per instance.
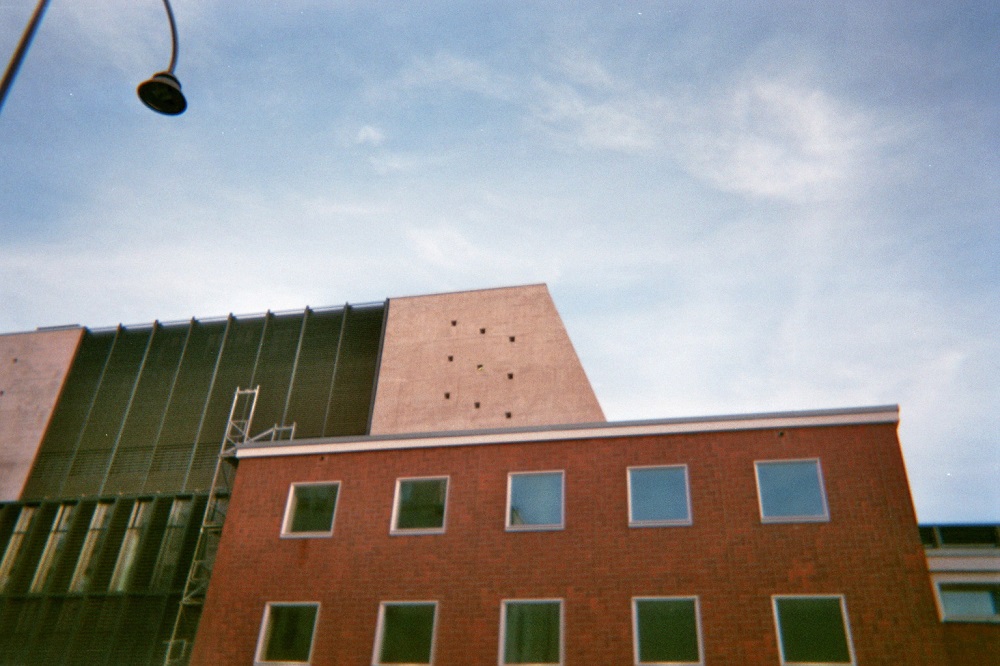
624	124
449	71
778	139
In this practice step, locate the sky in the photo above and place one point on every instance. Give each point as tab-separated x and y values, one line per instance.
738	207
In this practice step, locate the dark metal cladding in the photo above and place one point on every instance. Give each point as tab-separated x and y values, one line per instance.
112	509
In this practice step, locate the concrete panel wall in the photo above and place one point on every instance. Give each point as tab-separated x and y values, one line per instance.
479	359
33	367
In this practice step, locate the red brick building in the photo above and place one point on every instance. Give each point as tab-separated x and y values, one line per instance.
446	490
759	539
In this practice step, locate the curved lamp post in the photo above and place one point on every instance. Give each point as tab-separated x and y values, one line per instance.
161	93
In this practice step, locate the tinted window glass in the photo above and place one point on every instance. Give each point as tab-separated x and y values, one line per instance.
407	633
535	499
790	489
531	632
659	495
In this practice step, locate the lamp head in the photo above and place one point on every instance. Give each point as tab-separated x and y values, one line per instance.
162	93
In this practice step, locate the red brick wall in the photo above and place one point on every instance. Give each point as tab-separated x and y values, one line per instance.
972	644
869	551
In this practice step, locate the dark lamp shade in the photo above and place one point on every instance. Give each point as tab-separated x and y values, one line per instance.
162	93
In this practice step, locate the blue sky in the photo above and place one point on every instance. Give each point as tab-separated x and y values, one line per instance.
738	207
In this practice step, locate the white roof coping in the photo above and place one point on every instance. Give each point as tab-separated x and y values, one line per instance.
887	414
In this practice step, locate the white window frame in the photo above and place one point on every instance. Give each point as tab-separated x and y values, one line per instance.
503	630
286	521
632	522
545	527
394	530
635	631
262	636
380	631
807	518
843	616
963	579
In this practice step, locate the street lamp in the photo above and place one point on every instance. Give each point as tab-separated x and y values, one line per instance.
161	93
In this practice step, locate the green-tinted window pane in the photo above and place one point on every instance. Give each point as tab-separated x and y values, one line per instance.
86	565
407	633
659	494
173	541
313	507
531	633
791	489
290	633
421	504
130	546
813	631
536	499
53	547
971	601
668	630
14	545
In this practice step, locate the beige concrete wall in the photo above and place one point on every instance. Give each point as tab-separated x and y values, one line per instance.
33	367
479	359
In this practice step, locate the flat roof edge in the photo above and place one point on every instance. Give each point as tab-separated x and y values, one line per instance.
884	414
473	290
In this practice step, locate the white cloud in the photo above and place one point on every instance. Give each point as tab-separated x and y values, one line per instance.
777	139
369	135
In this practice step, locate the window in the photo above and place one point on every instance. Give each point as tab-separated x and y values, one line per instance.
419	506
813	630
535	501
130	545
658	496
286	633
791	491
173	541
310	509
14	545
531	632
405	633
87	564
667	630
53	546
970	602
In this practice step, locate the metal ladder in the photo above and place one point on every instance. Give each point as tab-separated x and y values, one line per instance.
196	587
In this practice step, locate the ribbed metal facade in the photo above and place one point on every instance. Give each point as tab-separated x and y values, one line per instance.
94	557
